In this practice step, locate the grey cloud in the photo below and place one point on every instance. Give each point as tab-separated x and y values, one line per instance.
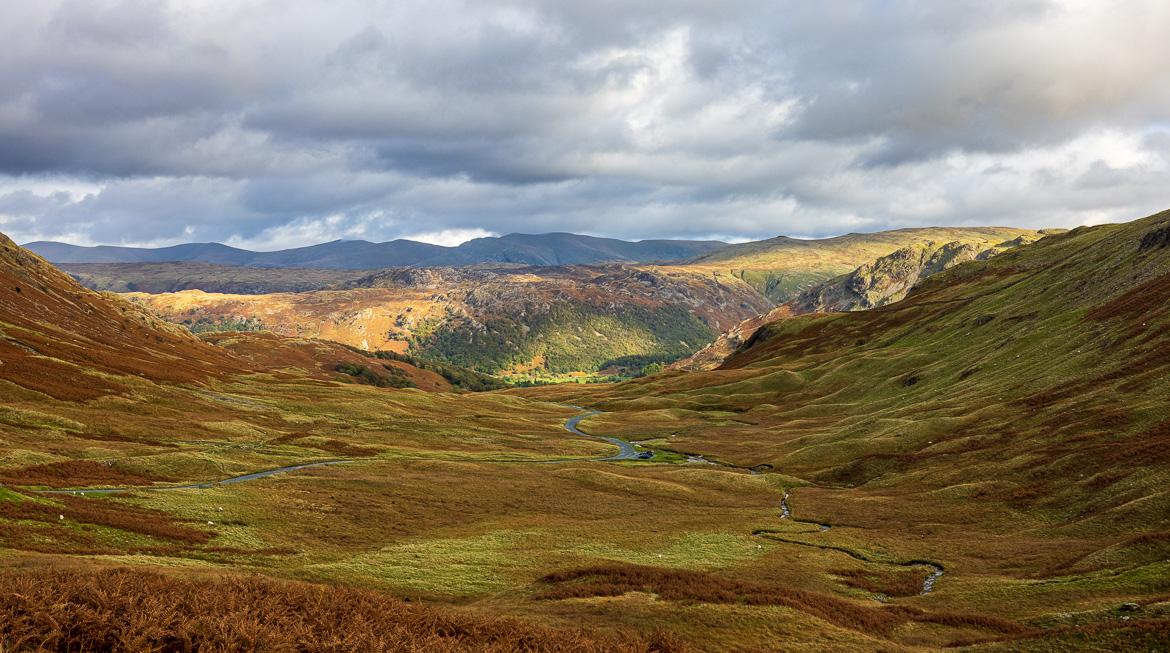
629	119
934	80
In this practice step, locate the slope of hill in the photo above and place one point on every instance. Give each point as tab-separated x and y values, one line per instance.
981	465
68	342
1007	421
544	249
1062	336
781	268
883	281
563	318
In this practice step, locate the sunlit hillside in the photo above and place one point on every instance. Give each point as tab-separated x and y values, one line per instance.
981	464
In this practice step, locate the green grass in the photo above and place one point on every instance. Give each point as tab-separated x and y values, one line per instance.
471	566
1024	458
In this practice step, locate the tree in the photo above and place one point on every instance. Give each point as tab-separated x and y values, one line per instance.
652	368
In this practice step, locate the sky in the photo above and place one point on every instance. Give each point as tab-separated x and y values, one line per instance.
274	124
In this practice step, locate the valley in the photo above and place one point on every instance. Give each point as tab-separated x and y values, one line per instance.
1003	423
544	322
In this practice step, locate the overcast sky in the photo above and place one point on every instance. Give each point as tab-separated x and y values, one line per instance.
286	123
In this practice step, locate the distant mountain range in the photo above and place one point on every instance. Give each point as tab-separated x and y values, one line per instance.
543	249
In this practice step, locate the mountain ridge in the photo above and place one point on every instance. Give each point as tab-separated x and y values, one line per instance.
555	248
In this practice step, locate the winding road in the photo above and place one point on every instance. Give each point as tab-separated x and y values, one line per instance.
626	451
200	486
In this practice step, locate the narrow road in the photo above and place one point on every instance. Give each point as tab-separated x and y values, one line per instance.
625	452
235	479
625	449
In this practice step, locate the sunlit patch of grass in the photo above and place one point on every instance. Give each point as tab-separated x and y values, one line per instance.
25	458
31	417
163	561
459	567
687	551
235	429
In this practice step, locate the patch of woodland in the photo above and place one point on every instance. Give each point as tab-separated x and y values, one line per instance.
396	378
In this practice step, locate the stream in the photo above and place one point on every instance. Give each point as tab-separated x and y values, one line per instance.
786	513
626	451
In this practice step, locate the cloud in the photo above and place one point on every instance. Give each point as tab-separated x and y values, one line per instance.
450	237
275	124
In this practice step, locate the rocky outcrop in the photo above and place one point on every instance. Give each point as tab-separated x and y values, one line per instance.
884	281
493	317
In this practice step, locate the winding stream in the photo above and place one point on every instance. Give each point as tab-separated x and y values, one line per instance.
786	513
626	451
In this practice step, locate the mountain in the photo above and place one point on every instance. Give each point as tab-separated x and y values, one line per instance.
781	268
578	318
883	281
702	297
545	249
175	276
982	465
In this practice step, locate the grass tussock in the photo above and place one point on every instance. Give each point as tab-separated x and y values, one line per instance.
890	583
699	587
125	610
332	445
1144	635
67	526
75	473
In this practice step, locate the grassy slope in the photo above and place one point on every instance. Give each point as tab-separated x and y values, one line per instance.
452	506
1006	421
783	267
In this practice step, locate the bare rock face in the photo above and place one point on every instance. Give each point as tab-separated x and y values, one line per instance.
713	355
885	280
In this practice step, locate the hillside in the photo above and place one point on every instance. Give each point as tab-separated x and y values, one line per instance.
1005	421
544	249
982	464
70	343
781	268
883	281
560	318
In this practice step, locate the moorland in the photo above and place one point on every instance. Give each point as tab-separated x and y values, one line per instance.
981	464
